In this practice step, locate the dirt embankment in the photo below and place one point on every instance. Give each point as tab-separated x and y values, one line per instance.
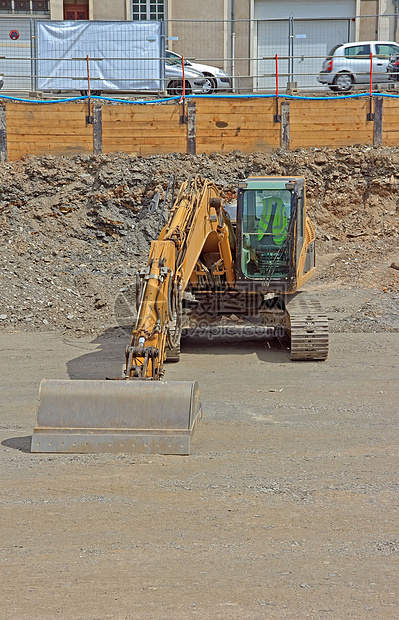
74	230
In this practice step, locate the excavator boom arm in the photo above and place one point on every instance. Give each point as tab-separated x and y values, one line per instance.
195	217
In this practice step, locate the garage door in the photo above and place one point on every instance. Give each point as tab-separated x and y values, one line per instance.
311	38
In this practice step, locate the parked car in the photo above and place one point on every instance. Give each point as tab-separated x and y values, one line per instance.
393	68
349	63
194	79
215	78
174	81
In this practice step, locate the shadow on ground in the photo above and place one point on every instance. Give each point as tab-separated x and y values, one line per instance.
107	361
18	443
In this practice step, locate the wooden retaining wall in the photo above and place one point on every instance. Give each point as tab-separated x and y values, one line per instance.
201	126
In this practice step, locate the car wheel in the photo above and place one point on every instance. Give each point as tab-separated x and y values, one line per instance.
175	88
210	85
94	93
343	82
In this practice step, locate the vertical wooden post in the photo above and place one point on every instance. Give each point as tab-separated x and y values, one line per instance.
378	113
97	130
3	133
191	128
285	125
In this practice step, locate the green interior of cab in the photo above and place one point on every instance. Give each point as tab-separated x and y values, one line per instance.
265	223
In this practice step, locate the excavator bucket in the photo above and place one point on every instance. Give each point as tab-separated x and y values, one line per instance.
145	417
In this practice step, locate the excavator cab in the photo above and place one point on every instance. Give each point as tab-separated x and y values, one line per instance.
270	230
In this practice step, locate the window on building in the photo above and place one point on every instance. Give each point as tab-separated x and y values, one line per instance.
5	6
76	10
25	7
148	9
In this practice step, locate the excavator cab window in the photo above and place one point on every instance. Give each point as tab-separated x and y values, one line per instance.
265	233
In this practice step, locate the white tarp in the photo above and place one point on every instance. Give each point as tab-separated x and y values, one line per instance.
123	55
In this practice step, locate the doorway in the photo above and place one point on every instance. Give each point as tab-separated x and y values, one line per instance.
74	10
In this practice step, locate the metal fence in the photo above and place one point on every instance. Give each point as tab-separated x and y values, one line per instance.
17	53
244	49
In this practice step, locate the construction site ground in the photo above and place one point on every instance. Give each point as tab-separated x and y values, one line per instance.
288	505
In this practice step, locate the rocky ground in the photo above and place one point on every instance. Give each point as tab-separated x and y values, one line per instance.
74	230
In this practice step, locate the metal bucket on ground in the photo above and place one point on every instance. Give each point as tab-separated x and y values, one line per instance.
145	417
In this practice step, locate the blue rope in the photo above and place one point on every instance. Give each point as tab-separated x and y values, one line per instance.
177	98
42	100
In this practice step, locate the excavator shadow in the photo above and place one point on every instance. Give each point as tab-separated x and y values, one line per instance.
106	361
18	443
267	348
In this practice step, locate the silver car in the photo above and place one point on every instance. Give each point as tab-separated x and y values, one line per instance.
349	63
174	79
215	79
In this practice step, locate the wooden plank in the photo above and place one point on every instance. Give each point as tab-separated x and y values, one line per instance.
47	113
150	112
317	119
52	144
317	128
49	147
209	104
143	150
135	132
243	121
249	108
327	109
391	103
38	131
109	133
245	109
327	104
149	128
153	141
227	148
51	117
217	111
238	134
142	118
239	143
132	122
335	134
17	106
390	112
390	139
307	142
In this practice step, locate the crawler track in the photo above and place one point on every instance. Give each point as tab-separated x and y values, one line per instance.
308	328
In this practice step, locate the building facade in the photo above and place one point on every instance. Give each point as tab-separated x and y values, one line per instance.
240	36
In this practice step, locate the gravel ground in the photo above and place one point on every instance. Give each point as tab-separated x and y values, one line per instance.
286	508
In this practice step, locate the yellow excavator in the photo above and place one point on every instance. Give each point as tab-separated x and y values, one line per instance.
210	260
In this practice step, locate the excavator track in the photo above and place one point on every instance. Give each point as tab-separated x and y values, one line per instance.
308	328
